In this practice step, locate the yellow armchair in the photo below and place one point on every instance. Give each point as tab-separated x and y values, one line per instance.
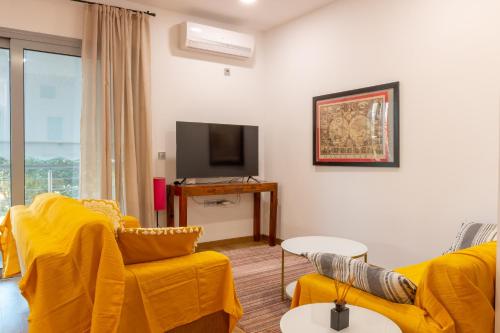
455	293
75	280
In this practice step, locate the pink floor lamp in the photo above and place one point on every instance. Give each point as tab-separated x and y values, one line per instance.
160	196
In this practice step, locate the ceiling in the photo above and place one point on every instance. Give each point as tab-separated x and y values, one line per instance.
261	15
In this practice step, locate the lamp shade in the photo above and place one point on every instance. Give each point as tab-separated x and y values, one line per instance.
160	195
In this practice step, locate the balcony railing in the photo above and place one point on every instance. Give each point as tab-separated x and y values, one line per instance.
40	178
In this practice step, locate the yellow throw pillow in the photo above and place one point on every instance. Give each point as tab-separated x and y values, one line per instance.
151	244
107	207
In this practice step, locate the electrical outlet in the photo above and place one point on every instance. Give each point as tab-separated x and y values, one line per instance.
227	71
162	155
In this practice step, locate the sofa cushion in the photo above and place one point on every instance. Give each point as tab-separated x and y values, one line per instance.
378	281
472	234
107	207
150	244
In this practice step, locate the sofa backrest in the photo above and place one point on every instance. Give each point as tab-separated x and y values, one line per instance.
49	225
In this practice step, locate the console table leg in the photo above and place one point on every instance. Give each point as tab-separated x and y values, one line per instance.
170	206
272	218
182	211
282	274
256	216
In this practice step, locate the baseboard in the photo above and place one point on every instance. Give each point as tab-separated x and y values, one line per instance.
231	241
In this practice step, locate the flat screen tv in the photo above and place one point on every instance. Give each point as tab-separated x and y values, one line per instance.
216	150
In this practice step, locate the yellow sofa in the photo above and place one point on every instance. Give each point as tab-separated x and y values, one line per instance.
455	293
74	278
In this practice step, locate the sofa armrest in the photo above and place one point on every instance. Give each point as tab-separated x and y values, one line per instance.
178	291
458	289
130	222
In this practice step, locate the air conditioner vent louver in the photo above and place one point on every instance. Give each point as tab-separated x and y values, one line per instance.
214	40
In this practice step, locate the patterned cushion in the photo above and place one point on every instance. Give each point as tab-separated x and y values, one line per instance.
372	279
472	234
150	244
107	207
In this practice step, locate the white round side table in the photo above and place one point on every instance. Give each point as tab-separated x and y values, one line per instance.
315	318
325	244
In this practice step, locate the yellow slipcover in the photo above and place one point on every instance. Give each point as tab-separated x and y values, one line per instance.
74	278
8	247
165	294
455	293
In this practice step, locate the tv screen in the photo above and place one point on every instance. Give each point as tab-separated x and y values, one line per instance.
226	144
216	150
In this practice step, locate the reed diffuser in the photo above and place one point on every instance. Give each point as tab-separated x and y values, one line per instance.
339	317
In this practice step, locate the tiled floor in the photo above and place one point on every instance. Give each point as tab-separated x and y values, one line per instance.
13	308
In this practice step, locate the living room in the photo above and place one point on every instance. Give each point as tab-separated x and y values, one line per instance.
436	64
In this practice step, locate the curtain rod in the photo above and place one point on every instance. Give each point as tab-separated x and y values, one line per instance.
133	10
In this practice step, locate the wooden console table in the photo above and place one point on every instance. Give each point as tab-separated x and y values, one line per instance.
185	191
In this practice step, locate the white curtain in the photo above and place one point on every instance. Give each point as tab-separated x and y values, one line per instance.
116	116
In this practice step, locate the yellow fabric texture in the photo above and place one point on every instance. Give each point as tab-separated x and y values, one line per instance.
130	222
8	248
74	276
177	291
111	209
75	281
455	293
149	244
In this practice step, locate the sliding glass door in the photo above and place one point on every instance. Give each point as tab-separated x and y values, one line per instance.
52	105
5	193
40	106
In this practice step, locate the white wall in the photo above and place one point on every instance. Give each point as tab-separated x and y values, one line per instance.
55	17
497	290
192	87
446	54
185	86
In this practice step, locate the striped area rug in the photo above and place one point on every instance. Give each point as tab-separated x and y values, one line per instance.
257	275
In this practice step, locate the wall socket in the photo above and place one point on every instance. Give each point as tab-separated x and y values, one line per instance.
162	155
227	71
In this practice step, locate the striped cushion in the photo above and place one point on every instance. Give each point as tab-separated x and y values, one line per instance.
472	234
372	279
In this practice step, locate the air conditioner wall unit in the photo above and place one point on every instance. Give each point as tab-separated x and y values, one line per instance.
209	39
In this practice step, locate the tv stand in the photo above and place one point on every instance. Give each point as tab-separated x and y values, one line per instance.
186	191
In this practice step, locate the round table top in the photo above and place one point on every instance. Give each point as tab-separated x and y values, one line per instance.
326	244
315	318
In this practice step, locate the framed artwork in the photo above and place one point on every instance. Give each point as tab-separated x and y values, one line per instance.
357	127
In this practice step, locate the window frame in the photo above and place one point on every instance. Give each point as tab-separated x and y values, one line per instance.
4	43
17	41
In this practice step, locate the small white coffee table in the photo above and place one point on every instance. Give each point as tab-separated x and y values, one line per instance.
325	244
315	318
